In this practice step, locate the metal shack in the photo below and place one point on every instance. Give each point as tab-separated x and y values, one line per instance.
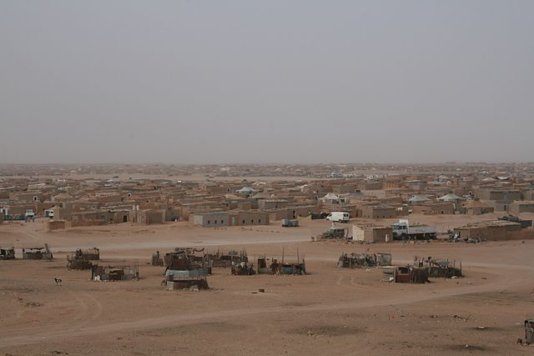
529	331
225	260
81	259
335	232
7	253
183	279
276	267
243	269
114	273
408	274
360	260
37	253
185	270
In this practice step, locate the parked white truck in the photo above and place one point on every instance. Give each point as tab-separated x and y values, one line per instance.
402	230
29	215
338	216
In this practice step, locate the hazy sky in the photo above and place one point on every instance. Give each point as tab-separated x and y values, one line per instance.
266	81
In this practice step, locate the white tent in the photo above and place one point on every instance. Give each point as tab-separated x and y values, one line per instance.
451	197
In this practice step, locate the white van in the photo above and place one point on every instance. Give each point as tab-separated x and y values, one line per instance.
338	216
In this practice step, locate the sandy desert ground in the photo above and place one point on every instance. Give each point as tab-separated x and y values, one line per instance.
330	311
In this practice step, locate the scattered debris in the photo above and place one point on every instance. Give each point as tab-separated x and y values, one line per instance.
464	318
33	304
243	269
114	273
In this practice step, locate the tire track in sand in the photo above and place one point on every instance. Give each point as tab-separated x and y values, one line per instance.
505	279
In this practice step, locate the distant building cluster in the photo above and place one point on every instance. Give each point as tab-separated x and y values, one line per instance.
100	195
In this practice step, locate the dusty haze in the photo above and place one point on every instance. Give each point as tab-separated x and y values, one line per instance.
270	81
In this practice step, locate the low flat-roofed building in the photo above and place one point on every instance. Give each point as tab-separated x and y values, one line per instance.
150	216
528	194
272	203
56	225
494	230
249	217
434	208
476	207
371	233
99	217
505	195
378	211
210	219
518	207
